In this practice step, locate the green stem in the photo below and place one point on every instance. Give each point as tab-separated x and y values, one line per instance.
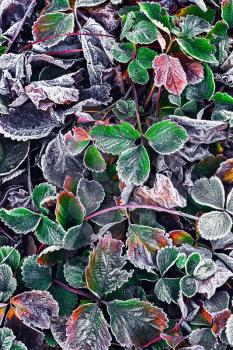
137	109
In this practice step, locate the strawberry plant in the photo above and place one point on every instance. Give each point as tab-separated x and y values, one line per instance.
116	173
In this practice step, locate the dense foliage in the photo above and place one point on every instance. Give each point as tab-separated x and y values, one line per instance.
116	199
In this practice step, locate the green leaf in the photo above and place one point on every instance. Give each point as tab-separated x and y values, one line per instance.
142	322
88	329
10	256
208	15
204	89
209	192
78	236
104	272
20	220
167	289
76	140
91	194
66	300
229	203
49	232
69	210
50	27
223	107
143	32
128	24
74	270
123	52
214	225
205	269
93	159
227	11
181	261
137	73
156	14
125	109
114	139
198	48
18	345
166	137
146	56
34	275
193	26
6	338
7	283
133	165
166	257
58	5
192	262
41	194
142	243
188	286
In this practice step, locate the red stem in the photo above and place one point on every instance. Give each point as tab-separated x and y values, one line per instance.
73	290
137	206
65	34
62	52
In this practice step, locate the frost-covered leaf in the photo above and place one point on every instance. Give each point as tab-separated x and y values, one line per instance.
123	52
229	204
223	107
209	192
166	137
133	165
220	277
194	25
137	73
199	48
188	286
203	337
34	275
52	27
69	210
88	3
20	220
7	282
229	330
142	322
57	163
49	232
166	257
204	270
93	159
10	256
74	270
91	194
142	243
180	237
96	50
78	236
156	14
41	194
76	140
204	89
170	73
35	308
163	193
104	272
12	155
167	289
114	139
27	123
214	225
57	5
87	329
6	338
227	11
143	32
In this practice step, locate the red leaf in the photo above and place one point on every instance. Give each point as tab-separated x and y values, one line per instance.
170	73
